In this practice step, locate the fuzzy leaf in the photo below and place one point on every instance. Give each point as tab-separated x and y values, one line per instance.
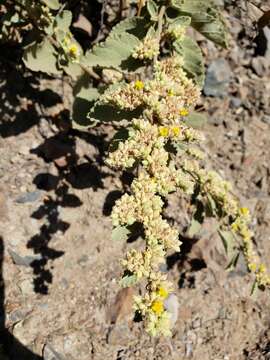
233	262
41	57
179	21
152	9
118	46
52	4
194	228
63	20
205	18
85	96
193	59
195	120
227	240
112	52
120	233
109	113
74	70
119	137
128	280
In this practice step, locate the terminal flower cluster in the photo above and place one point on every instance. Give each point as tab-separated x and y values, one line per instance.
166	97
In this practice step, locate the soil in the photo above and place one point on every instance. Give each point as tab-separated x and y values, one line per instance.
60	266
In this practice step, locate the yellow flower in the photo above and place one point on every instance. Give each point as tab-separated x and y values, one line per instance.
262	268
235	226
244	211
157	307
163	131
176	130
252	267
74	51
183	112
171	92
245	233
163	292
139	85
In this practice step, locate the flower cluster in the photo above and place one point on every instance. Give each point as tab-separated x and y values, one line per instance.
147	49
240	226
166	100
71	48
158	175
166	97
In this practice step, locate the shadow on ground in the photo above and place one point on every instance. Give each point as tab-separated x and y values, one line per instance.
10	347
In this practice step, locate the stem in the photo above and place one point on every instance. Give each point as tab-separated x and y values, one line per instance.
140	6
160	23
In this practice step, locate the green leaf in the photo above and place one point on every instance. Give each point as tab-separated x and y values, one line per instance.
136	26
179	21
85	96
118	46
63	21
74	70
195	120
120	233
254	287
233	262
205	18
112	52
193	59
52	4
152	9
120	136
194	228
109	113
41	57
128	280
211	205
227	240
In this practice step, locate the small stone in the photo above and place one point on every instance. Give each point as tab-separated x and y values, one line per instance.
217	78
29	197
259	65
83	260
61	162
119	335
24	150
26	287
50	354
266	119
17	315
23	260
235	102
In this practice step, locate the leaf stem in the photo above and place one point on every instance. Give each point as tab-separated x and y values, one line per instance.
160	23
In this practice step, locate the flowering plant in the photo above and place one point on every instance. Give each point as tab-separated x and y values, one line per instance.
158	100
151	74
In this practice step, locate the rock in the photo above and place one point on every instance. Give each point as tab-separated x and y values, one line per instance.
217	78
23	260
259	65
122	307
50	354
61	162
29	197
235	102
26	287
119	335
172	306
3	206
266	119
266	31
17	315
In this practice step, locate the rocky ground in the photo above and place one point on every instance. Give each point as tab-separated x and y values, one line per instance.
60	266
